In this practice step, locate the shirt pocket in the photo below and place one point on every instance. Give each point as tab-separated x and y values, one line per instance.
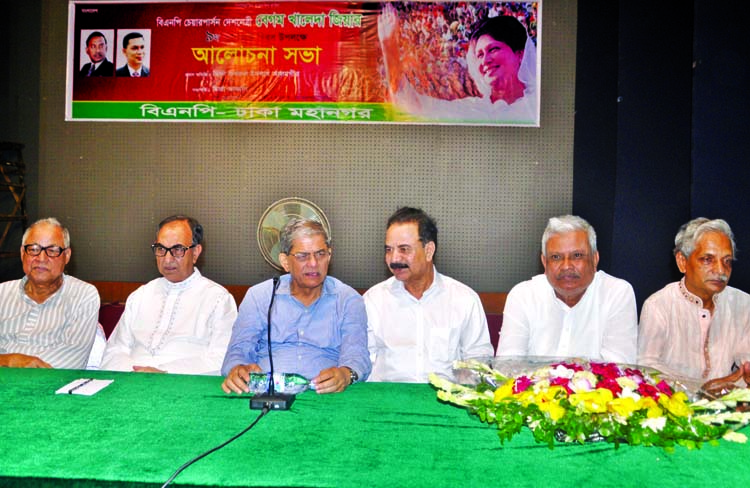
443	344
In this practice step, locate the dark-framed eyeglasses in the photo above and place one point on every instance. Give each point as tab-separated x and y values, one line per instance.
303	257
177	251
36	250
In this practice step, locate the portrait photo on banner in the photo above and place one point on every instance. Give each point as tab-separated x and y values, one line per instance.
463	60
427	62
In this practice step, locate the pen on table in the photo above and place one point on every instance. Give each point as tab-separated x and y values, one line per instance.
88	380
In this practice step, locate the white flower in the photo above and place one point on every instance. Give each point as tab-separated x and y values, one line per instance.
541	373
626	383
562	372
733	436
541	386
583	381
628	393
655	424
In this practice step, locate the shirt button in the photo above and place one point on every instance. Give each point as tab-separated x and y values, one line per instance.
302	332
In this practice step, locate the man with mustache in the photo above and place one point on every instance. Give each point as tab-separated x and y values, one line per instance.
699	327
572	310
96	48
420	321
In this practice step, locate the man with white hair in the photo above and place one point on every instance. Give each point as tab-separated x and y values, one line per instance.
47	318
572	310
178	323
699	327
318	324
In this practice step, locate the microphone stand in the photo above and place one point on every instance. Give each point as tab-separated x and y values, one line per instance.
271	400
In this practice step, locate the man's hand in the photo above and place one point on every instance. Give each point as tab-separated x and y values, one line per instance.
746	373
238	377
332	380
719	387
16	360
147	369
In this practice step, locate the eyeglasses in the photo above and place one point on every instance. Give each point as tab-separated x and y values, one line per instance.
177	251
303	257
36	250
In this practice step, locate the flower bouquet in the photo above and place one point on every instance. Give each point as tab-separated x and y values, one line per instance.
579	401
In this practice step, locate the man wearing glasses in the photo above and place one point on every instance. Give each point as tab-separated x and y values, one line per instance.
318	324
179	323
47	319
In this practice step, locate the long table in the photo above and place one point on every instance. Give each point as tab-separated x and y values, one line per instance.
142	427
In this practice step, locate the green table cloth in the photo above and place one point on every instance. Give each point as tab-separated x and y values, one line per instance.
142	427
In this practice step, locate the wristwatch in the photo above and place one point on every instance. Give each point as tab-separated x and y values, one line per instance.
353	376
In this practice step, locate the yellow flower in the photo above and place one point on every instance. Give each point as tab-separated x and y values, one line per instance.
505	391
676	405
552	393
555	411
592	401
527	397
653	409
622	406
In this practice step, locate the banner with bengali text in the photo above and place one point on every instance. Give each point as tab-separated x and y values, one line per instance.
459	63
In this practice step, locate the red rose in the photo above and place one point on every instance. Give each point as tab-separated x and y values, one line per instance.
610	384
646	389
664	387
606	370
521	384
564	382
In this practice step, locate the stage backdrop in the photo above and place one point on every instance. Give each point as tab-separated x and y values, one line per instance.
473	63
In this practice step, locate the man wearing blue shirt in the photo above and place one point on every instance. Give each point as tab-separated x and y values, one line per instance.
318	324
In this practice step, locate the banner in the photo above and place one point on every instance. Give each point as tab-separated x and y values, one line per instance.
475	63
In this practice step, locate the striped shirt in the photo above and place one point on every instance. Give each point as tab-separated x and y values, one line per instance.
60	331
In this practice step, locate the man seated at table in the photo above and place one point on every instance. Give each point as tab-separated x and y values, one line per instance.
318	324
179	323
420	321
699	327
47	319
572	310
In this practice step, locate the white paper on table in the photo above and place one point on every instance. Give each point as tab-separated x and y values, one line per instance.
83	386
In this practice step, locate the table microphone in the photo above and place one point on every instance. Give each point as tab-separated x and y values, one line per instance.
271	400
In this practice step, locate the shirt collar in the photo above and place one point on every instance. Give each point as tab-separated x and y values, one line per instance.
694	299
437	285
186	283
52	299
583	297
285	281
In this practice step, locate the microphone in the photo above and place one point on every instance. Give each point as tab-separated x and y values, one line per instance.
271	400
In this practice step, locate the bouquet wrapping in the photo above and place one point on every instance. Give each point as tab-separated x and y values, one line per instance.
580	401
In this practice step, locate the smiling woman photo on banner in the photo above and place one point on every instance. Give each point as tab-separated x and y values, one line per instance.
481	67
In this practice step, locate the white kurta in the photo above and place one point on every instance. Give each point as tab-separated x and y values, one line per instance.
603	325
177	327
679	336
408	338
